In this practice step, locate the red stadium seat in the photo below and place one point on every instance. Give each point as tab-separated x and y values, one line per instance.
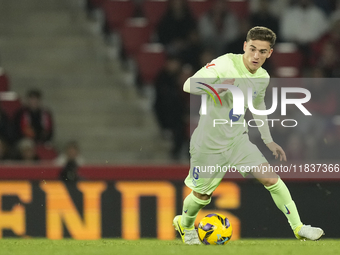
45	152
10	103
287	60
135	33
239	7
116	12
154	10
4	82
150	61
200	7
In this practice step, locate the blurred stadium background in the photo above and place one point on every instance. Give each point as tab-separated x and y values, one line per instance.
113	125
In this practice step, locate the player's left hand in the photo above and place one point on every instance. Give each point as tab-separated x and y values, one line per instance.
277	151
227	81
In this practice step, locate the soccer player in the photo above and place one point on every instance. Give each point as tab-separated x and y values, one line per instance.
225	145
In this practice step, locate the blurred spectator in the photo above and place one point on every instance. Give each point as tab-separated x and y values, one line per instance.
3	151
166	91
236	45
324	101
27	152
175	26
322	106
33	120
71	153
192	51
218	27
329	60
295	148
335	15
333	35
90	7
263	17
277	7
329	146
326	51
69	172
70	160
297	20
303	23
4	127
325	5
169	104
205	57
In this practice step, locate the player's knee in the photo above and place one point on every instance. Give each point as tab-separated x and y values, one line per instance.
201	196
269	181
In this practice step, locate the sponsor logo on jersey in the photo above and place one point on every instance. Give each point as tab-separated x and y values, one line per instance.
234	117
207	91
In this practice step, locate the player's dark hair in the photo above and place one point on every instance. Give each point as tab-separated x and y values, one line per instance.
262	34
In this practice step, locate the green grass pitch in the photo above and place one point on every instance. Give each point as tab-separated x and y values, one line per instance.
157	247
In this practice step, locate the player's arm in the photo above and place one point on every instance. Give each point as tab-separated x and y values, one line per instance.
264	129
207	74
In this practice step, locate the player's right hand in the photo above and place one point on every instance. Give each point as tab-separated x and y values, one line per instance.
227	81
277	151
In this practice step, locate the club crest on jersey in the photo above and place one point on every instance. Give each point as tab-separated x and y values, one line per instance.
254	95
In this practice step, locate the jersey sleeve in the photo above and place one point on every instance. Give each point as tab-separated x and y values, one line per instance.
259	104
209	74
